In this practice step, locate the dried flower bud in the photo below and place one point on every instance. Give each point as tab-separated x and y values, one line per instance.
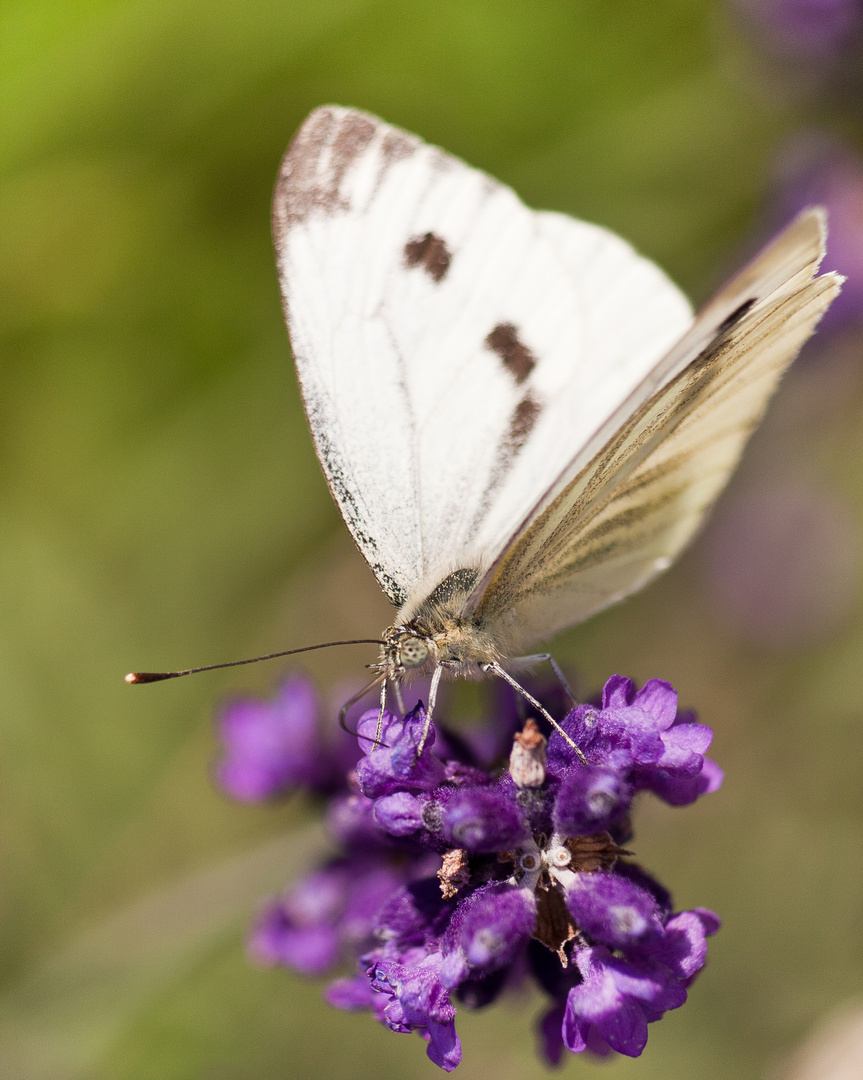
527	760
454	872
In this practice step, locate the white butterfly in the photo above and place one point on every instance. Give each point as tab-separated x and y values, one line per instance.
517	415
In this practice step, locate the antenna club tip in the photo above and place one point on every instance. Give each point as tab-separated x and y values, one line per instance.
132	677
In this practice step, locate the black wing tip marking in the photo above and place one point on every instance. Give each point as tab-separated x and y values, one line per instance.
516	356
314	167
315	164
429	252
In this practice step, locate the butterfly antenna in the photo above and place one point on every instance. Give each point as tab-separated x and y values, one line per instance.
135	677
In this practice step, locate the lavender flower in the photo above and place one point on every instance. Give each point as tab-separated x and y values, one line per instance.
816	169
805	30
332	910
272	747
784	564
459	881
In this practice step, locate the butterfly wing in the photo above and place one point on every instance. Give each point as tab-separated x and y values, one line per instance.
638	490
454	349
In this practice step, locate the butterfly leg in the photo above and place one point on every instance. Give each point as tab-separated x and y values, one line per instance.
379	730
400	701
435	683
539	658
496	669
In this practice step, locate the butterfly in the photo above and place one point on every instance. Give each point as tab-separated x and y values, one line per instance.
518	416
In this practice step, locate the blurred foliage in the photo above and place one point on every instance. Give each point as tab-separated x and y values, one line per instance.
162	505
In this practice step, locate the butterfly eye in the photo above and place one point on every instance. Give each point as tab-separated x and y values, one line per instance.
413	652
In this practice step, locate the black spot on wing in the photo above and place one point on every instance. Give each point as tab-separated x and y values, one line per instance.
397	145
521	424
516	356
431	253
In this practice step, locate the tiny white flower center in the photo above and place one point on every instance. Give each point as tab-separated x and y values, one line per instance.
557	857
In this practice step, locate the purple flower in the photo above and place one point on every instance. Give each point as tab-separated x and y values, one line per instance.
809	30
458	881
418	1001
635	740
269	747
783	562
273	747
613	910
391	762
816	169
488	930
619	998
334	908
481	819
683	946
351	820
590	800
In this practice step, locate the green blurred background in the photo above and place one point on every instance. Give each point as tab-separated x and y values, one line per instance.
162	506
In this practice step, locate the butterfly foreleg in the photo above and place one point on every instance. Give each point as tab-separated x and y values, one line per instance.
379	730
435	683
495	669
397	693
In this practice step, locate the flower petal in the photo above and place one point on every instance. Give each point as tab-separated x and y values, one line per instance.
489	929
482	819
613	910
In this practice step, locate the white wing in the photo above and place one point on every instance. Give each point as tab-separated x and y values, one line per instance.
455	350
612	521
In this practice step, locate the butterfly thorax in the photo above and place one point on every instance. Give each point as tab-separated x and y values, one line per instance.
434	632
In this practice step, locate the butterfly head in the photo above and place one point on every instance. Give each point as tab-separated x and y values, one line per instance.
406	651
434	632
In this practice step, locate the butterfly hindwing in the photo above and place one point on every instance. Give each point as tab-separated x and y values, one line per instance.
624	516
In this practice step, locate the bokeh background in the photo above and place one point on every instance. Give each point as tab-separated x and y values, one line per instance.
160	504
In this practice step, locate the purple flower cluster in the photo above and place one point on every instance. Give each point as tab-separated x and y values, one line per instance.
460	880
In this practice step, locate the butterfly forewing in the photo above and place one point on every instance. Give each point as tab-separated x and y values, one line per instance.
454	348
624	516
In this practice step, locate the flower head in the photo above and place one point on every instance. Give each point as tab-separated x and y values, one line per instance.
460	879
